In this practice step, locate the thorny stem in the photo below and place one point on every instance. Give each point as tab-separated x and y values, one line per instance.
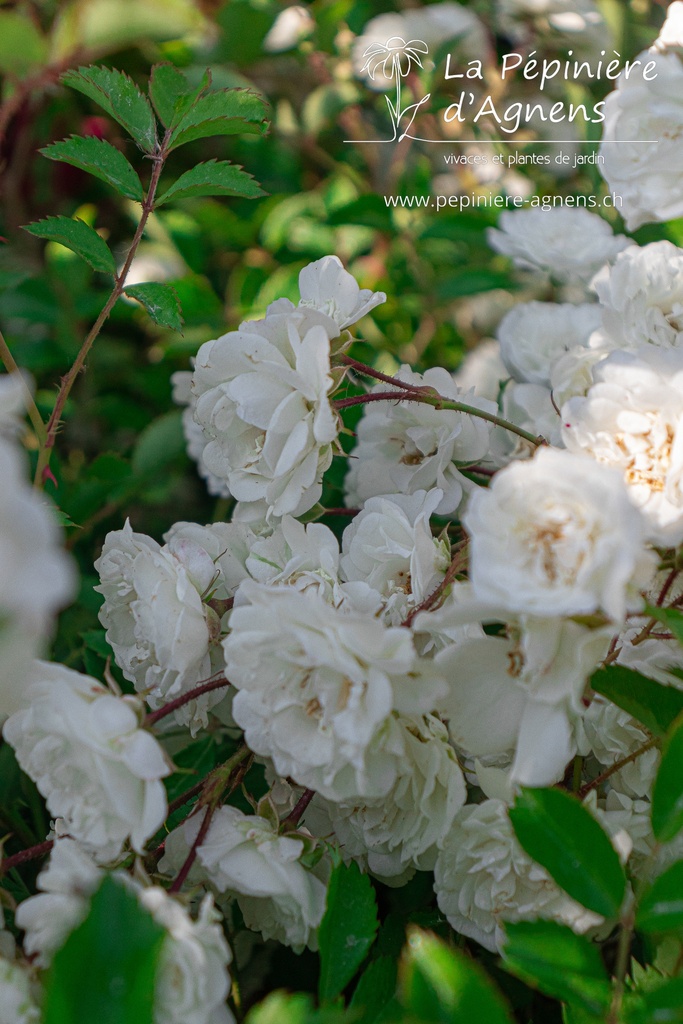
457	563
226	776
32	853
617	766
69	379
295	815
369	371
31	407
433	398
215	684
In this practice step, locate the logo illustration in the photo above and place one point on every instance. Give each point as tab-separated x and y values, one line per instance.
394	60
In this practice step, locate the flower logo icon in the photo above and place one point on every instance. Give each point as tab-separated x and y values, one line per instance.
394	60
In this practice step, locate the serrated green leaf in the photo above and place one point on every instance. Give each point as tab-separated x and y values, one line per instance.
79	237
660	909
222	112
118	94
667	794
558	832
213	178
551	957
159	443
171	93
654	705
160	301
347	930
375	990
106	970
99	158
441	985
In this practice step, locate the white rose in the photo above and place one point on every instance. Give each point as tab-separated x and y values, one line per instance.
289	28
390	546
409	825
160	606
534	335
192	981
89	758
643	141
483	878
65	886
631	420
17	1003
244	855
557	535
404	447
522	695
299	556
327	288
671	33
262	401
642	297
568	244
316	688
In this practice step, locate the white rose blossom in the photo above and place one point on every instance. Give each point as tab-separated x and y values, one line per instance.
630	420
641	296
557	535
262	400
671	33
243	855
89	758
316	688
570	245
17	999
483	878
404	447
409	825
192	981
163	608
534	335
389	545
643	141
611	735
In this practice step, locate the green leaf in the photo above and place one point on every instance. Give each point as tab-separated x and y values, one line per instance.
662	1005
160	301
118	94
549	956
654	705
106	970
171	93
222	112
667	794
159	443
100	158
561	835
79	237
375	990
96	640
471	282
213	178
442	985
661	908
347	930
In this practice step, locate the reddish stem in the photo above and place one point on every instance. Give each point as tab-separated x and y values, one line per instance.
32	853
155	716
295	815
192	855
